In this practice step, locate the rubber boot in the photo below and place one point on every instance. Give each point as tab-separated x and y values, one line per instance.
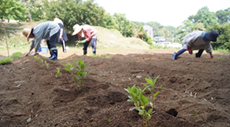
175	55
50	54
54	55
85	52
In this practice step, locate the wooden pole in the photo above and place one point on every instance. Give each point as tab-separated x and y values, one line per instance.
3	25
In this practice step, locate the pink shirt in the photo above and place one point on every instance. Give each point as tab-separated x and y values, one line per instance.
89	33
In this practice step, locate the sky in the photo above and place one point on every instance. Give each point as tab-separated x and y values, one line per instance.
165	12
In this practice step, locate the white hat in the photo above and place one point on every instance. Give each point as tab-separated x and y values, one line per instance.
26	32
57	20
76	29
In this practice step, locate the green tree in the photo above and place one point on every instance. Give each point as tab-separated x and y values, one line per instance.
223	16
13	9
187	27
73	12
223	41
107	21
204	16
124	25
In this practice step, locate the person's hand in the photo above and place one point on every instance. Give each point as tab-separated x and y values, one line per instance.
34	53
27	54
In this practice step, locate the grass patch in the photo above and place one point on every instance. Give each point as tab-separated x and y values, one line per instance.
6	60
102	56
16	54
222	50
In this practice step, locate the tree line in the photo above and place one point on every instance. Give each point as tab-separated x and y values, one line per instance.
89	12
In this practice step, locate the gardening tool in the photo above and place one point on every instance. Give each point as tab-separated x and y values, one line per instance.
63	46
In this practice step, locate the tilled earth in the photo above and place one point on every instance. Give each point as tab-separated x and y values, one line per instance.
195	91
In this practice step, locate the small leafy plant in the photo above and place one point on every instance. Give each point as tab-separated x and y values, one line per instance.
141	102
69	66
38	59
58	74
152	82
47	65
109	120
80	72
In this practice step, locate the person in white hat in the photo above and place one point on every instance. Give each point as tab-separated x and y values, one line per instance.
198	40
62	36
46	30
89	33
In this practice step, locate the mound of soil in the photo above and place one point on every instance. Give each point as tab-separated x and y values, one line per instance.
195	91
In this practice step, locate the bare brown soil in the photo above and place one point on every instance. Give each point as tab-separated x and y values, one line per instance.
196	88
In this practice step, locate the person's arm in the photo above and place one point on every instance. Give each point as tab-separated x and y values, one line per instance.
31	48
209	50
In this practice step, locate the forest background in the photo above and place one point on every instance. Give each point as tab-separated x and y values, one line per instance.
89	12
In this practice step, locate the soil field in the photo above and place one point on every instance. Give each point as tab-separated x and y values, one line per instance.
195	91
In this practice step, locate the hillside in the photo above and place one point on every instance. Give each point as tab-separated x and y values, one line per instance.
112	38
107	39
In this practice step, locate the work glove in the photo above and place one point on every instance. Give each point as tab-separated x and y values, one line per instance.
212	57
34	53
83	41
190	50
27	53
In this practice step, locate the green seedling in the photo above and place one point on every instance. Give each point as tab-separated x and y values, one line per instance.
47	64
141	102
58	74
146	115
109	120
134	94
69	66
152	82
41	60
80	72
36	57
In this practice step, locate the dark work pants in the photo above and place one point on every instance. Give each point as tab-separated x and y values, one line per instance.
51	43
94	45
199	53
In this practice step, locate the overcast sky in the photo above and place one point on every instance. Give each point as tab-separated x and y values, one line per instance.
165	12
